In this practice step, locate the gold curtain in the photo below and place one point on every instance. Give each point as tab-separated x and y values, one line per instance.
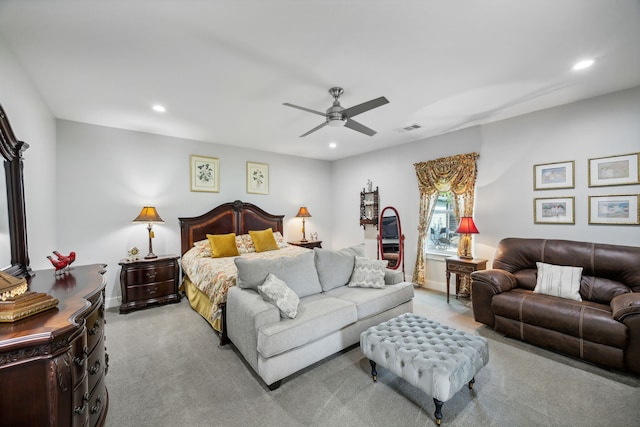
456	174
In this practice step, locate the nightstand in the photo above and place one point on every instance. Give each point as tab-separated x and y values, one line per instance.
149	281
310	244
462	267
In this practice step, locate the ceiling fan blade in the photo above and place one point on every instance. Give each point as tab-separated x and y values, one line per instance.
365	106
305	109
352	124
315	129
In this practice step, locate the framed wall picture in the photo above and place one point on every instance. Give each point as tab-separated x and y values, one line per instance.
553	176
614	170
554	210
205	174
257	178
614	209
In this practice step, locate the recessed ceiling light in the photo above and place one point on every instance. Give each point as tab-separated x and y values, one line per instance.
333	145
585	63
159	108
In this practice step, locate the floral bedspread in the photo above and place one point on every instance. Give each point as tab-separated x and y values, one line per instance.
214	276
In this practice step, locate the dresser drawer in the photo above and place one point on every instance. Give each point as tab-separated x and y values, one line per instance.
78	352
97	402
461	268
95	324
151	291
81	404
96	364
157	273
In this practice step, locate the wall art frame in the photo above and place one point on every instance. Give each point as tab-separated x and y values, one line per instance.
257	178
621	209
622	169
205	174
554	210
553	176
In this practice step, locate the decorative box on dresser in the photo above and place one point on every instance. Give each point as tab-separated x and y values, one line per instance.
53	364
149	281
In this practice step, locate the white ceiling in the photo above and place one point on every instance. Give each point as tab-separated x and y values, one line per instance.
224	68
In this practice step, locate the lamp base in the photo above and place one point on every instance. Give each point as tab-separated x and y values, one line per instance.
464	249
151	256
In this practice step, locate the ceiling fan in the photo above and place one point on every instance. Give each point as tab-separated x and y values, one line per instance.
337	115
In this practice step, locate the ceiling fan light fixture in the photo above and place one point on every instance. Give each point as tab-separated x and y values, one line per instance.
336	123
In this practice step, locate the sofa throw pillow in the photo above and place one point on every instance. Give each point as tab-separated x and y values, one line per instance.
264	240
368	273
277	292
299	273
558	280
223	245
334	267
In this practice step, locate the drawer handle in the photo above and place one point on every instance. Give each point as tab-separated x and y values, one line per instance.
96	408
79	361
152	291
80	409
95	368
96	328
151	275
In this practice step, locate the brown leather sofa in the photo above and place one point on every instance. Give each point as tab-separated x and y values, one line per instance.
603	328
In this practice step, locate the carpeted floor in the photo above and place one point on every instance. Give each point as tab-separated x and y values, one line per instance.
166	369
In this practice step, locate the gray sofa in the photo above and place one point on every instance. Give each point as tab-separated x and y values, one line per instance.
330	316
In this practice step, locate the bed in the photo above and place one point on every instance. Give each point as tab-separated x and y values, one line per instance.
206	280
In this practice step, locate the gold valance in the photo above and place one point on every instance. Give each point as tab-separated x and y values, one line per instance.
454	173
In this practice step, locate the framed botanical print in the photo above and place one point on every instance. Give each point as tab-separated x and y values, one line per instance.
554	210
257	178
614	170
205	174
553	176
614	209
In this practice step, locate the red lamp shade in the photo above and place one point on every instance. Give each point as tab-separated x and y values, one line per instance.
467	226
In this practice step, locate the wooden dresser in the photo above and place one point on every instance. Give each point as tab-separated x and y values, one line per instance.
53	364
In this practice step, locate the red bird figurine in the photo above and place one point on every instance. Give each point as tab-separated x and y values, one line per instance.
59	264
68	258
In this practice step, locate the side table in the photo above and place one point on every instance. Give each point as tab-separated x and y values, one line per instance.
149	281
309	244
462	267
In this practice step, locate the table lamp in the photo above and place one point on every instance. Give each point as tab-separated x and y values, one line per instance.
303	213
149	215
466	228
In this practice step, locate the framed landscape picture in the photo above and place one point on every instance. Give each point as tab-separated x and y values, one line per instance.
550	210
614	209
614	170
257	178
205	174
553	176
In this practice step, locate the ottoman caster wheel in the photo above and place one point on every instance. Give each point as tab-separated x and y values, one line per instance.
438	412
374	373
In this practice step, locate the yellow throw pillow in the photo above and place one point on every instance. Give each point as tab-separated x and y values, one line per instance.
223	245
263	240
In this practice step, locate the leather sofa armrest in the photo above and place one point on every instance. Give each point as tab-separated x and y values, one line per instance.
498	280
625	305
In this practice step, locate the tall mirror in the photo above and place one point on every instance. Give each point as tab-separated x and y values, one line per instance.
13	227
391	239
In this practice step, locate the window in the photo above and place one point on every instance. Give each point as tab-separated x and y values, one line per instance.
442	237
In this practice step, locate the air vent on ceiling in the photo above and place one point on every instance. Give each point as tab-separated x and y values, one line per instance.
409	128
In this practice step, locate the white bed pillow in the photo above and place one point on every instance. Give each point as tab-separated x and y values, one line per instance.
559	281
368	273
277	292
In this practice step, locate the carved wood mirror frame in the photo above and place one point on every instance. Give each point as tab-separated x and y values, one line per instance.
11	150
398	261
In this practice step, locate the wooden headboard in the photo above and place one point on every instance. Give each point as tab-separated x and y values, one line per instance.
233	217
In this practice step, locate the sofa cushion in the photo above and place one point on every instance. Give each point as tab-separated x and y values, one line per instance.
600	289
368	273
370	302
277	292
318	316
334	267
559	281
299	273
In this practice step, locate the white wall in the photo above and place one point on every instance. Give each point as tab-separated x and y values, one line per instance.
602	126
108	175
33	123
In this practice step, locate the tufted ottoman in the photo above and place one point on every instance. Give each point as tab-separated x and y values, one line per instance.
435	358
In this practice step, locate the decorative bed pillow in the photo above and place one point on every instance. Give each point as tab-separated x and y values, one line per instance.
203	248
280	240
277	292
299	273
558	280
334	267
242	248
223	245
263	240
247	243
368	273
